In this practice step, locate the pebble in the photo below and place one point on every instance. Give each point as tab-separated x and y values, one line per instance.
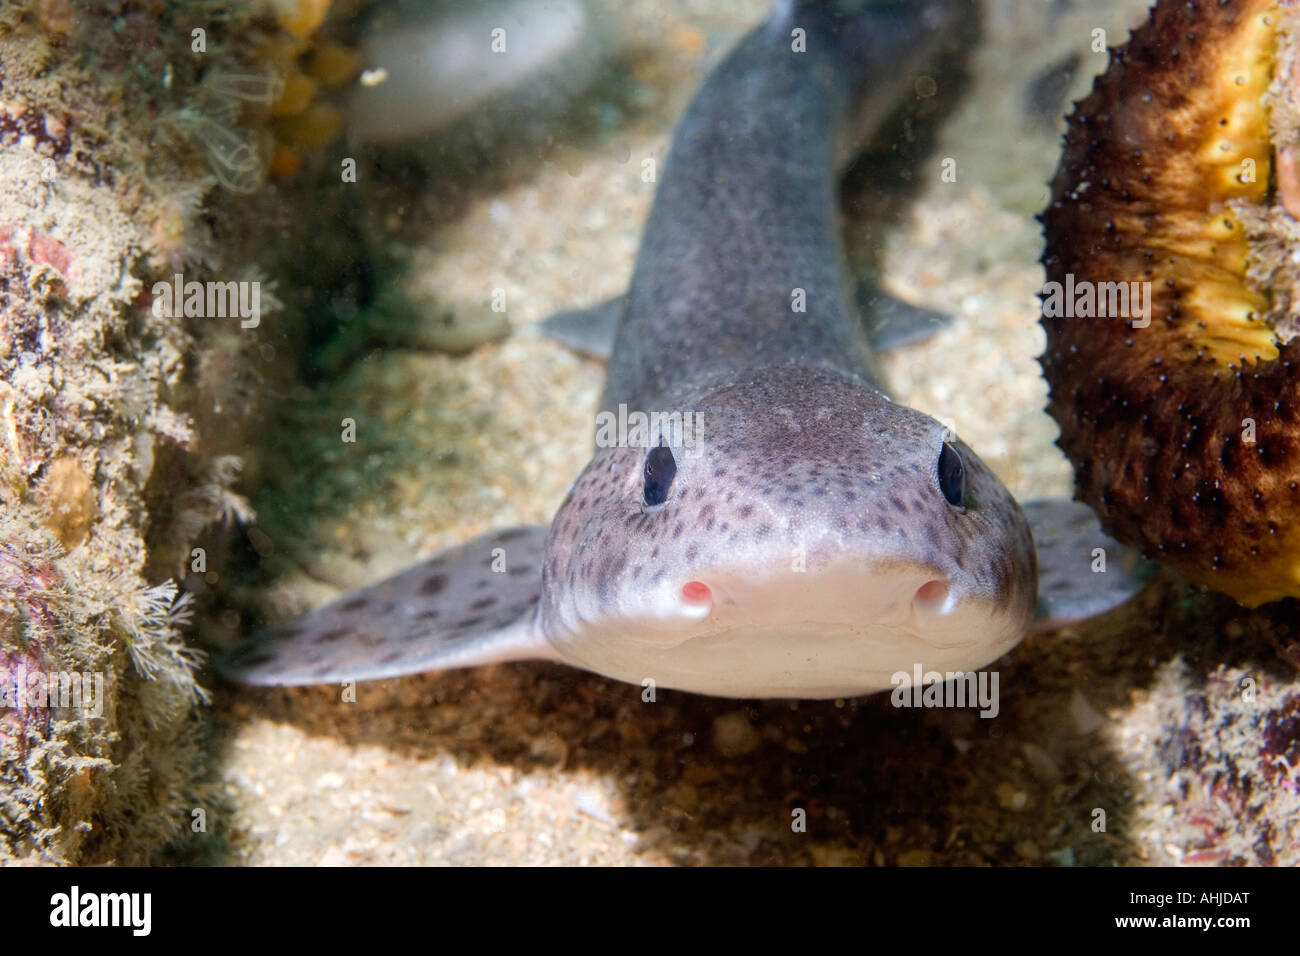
734	735
1028	850
1041	764
1085	717
1011	798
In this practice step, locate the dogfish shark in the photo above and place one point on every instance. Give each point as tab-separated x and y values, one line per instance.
771	524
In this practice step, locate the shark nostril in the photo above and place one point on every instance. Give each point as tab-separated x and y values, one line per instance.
933	597
697	600
696	592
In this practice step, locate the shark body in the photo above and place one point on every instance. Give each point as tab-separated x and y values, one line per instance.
809	537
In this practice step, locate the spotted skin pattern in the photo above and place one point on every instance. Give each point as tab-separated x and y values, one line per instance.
842	470
429	616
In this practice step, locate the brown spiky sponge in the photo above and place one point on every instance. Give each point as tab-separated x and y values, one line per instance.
1184	434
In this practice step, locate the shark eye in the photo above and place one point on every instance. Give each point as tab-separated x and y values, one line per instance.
952	476
660	470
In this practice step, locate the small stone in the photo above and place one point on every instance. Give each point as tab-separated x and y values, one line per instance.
1041	764
1085	717
916	857
550	749
1011	798
684	797
469	732
1028	850
733	735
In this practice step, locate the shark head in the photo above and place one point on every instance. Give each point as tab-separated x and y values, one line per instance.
797	534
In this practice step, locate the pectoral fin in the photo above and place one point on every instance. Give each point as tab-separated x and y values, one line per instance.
1082	571
893	323
469	605
589	331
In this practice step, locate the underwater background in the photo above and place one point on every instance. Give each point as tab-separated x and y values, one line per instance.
169	484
